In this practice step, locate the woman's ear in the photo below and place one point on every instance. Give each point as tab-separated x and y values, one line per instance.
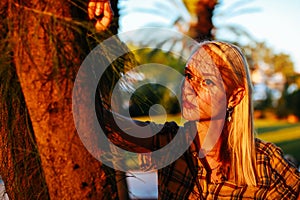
236	97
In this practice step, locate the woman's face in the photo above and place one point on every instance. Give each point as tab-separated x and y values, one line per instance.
203	91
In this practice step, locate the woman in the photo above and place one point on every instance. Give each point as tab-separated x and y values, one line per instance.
224	160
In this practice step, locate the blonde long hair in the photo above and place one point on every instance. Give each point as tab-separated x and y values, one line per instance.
241	144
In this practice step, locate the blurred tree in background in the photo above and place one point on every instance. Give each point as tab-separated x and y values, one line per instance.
274	79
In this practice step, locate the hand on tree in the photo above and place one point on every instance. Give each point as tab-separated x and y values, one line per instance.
101	12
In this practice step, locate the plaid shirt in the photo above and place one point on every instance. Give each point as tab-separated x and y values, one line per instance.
187	177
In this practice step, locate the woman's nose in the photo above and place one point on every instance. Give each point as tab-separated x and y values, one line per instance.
188	89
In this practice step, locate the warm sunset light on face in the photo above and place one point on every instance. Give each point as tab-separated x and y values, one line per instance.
203	89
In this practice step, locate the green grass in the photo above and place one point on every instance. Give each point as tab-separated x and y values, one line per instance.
282	133
291	147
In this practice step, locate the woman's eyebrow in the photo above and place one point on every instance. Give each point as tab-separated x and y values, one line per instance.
207	74
187	70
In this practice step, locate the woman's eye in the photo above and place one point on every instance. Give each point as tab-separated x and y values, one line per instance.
208	82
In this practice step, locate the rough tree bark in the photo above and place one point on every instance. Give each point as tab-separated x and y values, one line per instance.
20	165
49	45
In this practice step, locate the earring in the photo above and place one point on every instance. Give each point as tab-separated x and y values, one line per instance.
229	111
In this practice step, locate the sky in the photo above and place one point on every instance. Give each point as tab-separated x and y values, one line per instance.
276	22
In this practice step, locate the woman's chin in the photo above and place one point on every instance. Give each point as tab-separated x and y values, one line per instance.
190	116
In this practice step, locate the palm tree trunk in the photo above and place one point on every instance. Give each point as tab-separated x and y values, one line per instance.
20	165
48	49
202	10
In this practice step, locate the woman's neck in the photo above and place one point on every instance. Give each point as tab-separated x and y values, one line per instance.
209	133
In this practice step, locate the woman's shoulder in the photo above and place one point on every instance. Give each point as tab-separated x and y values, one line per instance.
266	148
267	153
274	171
271	156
